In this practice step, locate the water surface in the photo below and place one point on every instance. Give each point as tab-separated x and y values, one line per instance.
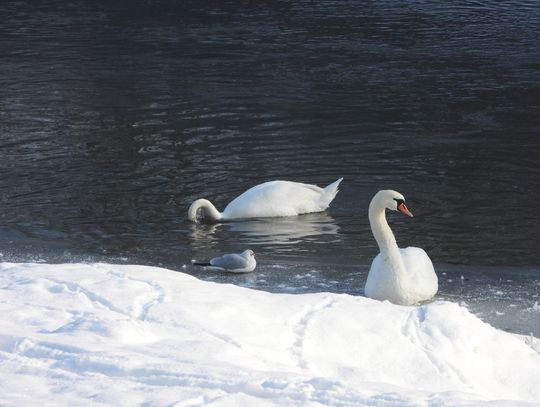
115	116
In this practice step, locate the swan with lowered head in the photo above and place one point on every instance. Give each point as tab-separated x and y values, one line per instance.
401	276
271	199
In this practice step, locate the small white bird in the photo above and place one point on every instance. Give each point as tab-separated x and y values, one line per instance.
232	263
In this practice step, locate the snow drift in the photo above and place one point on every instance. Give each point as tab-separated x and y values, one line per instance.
128	335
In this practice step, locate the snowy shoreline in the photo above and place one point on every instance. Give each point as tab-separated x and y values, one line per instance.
75	334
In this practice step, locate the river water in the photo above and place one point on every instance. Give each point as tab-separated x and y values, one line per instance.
115	116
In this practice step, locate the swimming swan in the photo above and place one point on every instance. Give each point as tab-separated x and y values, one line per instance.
271	199
401	276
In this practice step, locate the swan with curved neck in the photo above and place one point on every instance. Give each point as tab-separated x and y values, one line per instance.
208	209
270	199
401	276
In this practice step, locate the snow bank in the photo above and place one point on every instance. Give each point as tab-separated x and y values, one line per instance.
78	334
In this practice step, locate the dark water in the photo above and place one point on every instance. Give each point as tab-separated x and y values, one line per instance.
115	116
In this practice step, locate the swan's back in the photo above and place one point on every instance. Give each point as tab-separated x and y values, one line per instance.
277	198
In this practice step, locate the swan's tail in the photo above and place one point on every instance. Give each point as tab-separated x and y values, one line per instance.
331	191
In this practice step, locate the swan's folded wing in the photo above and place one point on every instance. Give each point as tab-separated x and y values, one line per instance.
229	262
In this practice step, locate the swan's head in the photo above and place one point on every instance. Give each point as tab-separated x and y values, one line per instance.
392	200
248	254
203	210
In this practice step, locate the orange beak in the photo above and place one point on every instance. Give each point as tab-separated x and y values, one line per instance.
403	209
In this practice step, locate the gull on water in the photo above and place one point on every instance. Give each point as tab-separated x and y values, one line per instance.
233	263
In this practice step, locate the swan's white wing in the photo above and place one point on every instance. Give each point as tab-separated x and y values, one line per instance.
276	198
230	262
420	270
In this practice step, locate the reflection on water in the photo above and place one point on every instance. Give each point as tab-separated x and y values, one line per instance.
273	235
204	235
289	230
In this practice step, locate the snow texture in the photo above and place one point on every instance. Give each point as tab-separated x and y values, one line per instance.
99	334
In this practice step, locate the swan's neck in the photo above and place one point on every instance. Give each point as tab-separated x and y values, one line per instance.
210	211
381	231
395	274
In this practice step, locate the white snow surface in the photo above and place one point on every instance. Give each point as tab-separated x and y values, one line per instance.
101	334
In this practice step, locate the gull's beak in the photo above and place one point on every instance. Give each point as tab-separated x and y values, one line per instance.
403	209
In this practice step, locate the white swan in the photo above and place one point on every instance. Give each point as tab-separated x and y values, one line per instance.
271	199
401	276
